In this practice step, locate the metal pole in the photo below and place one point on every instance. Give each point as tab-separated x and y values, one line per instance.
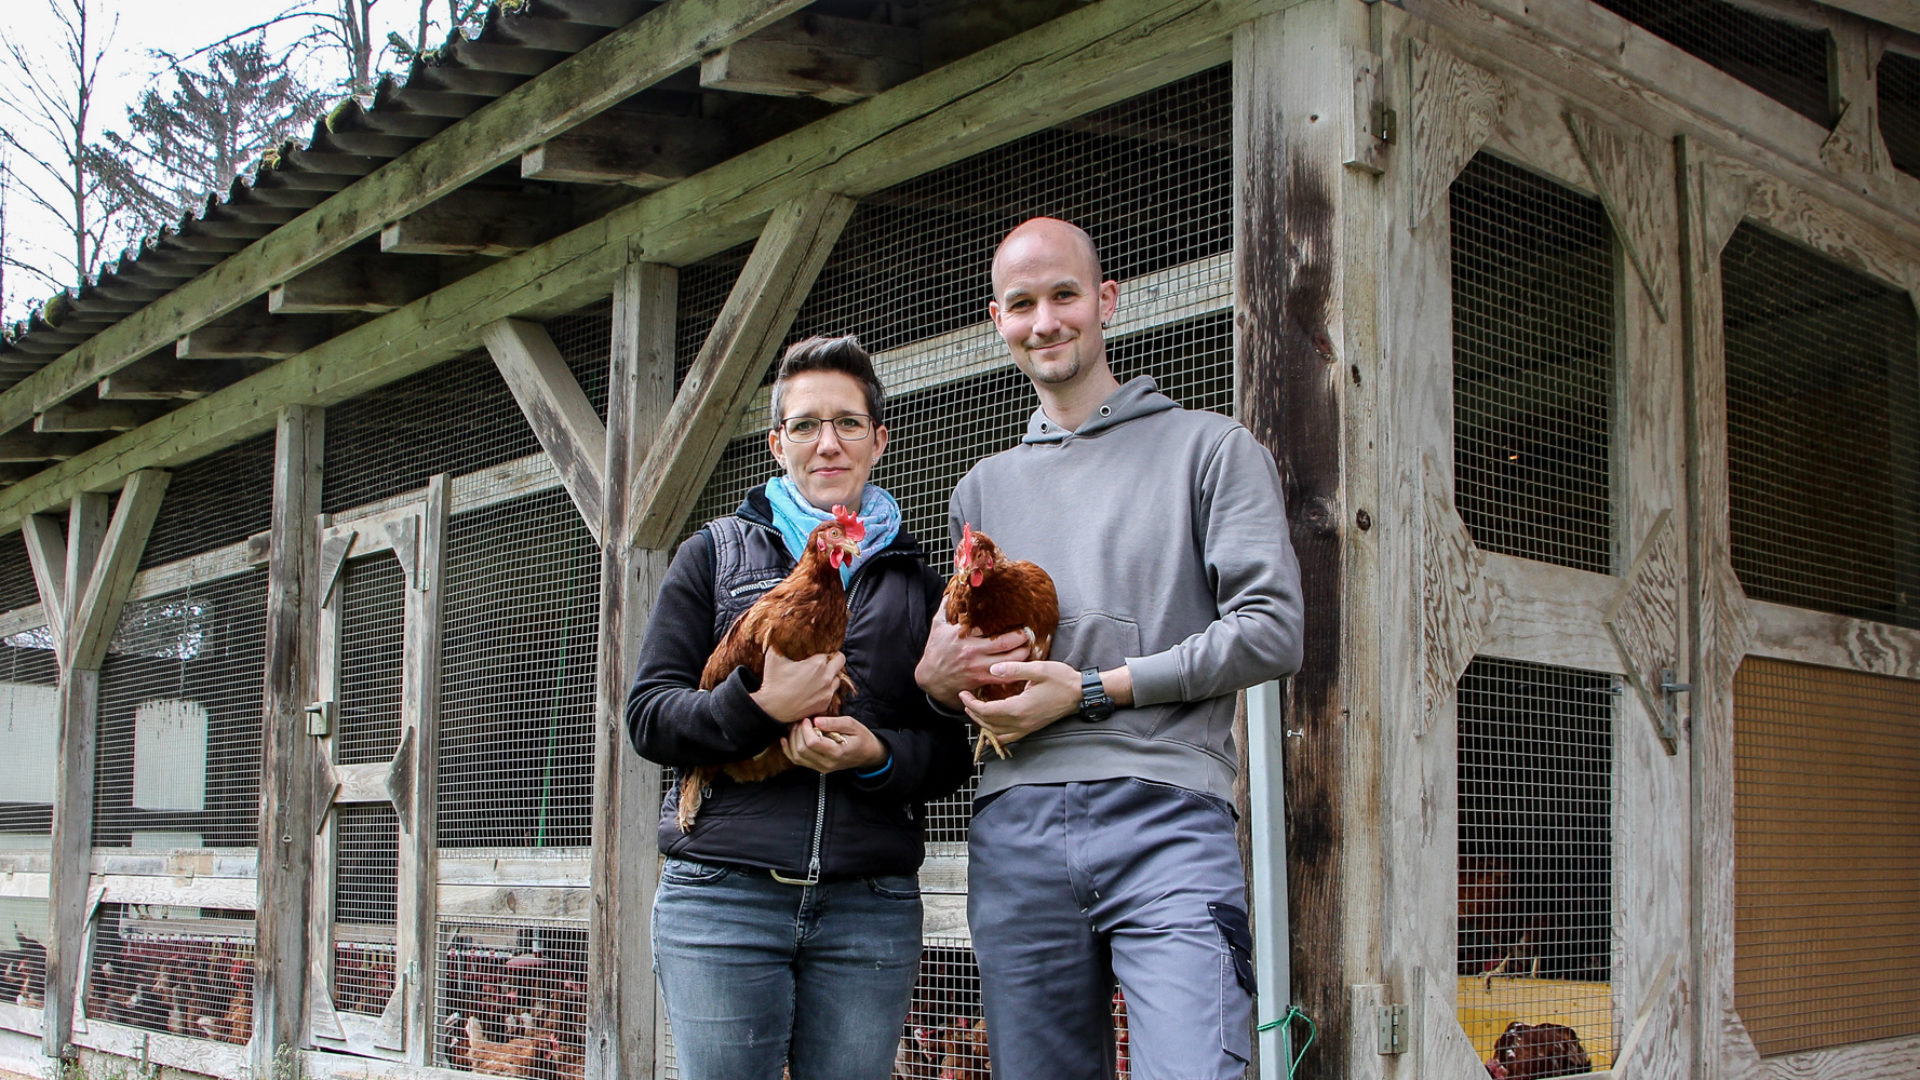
1266	799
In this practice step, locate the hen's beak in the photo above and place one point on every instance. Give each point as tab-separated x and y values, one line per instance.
850	548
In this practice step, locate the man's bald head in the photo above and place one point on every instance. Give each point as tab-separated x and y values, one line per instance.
1045	233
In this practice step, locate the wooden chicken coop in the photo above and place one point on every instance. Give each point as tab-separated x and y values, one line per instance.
1585	332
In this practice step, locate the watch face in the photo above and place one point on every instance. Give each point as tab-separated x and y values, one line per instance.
1095	705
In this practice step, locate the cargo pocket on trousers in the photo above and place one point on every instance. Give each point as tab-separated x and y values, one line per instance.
1236	978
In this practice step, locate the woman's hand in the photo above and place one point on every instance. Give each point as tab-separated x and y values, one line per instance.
828	744
791	690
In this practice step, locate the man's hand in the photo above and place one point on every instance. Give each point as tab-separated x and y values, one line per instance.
953	662
1052	693
831	743
791	690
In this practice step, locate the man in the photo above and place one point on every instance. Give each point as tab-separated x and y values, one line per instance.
1103	848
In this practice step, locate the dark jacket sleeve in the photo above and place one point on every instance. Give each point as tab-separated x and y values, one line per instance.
930	754
669	719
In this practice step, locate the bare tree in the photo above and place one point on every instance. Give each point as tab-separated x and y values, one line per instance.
192	142
54	153
464	16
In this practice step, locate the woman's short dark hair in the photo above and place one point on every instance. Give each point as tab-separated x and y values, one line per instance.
841	353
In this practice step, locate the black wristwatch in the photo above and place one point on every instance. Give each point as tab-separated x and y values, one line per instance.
1095	705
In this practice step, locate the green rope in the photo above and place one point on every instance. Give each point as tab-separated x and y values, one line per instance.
1293	1013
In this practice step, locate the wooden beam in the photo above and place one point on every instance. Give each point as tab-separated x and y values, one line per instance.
23	446
492	223
751	324
83	415
374	284
618	66
1103	53
47	552
417	804
820	56
621	998
167	378
72	840
620	147
274	339
557	409
97	611
1292	104
288	773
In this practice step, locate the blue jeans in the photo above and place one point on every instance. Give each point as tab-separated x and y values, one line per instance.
757	974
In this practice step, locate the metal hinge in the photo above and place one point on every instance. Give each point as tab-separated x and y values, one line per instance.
1392	1028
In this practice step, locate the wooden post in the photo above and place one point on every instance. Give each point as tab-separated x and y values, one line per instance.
1293	127
287	768
101	555
621	996
414	785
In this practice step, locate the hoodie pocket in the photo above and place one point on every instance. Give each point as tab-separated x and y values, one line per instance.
1096	639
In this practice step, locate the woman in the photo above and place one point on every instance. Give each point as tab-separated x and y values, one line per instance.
787	923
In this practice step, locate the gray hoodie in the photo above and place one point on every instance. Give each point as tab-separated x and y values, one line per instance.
1165	532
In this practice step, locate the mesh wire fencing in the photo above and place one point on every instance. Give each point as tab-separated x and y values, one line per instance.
1533	368
517	680
365	893
1826	855
221	499
371	659
1823	432
17	588
178	736
180	971
1535	935
30	731
1899	84
1788	63
512	998
456	418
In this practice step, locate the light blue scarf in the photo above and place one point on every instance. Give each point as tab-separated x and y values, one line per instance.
796	518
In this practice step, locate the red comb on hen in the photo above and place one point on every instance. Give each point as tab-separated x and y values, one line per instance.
963	554
854	527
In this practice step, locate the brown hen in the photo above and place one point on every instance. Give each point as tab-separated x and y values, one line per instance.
805	615
993	595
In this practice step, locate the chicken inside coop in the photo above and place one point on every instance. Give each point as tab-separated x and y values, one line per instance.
182	976
513	1001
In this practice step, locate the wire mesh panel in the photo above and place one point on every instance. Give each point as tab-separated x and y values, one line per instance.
518	661
221	499
24	923
512	999
1899	83
178	759
1826	855
1823	432
1149	178
17	588
1787	63
372	659
456	418
180	971
30	732
1535	934
1533	375
365	894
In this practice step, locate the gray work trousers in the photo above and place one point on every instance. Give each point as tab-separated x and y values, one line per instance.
1074	887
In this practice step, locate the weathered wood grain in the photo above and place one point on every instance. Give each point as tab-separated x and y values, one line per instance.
92	620
557	409
813	55
752	322
72	836
47	553
414	784
286	836
636	56
1457	608
1644	622
1292	103
1886	1057
1622	164
1815	637
622	147
1551	614
355	283
1855	145
622	1011
200	1057
1455	107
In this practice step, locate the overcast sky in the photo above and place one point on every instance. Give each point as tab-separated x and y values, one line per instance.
175	26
